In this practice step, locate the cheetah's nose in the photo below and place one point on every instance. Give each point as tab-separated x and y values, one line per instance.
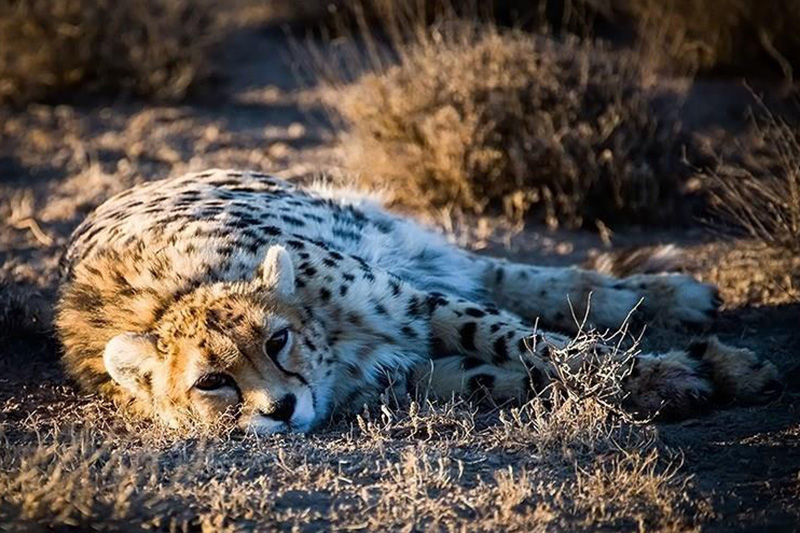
283	409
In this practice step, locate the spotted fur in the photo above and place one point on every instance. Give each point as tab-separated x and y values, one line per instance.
236	292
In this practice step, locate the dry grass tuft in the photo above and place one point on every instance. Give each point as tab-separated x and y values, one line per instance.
580	410
473	119
154	48
72	482
633	489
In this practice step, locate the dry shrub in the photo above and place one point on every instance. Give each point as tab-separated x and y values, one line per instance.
484	121
579	414
764	205
742	36
622	478
155	48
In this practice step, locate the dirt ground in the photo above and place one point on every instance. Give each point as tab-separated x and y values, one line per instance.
741	465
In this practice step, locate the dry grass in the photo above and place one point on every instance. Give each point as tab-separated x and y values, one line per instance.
474	119
632	488
154	48
419	464
765	206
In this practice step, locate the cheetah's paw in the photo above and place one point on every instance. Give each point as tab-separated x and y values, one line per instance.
677	300
671	385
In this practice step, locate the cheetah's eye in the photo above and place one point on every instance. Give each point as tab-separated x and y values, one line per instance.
275	344
212	382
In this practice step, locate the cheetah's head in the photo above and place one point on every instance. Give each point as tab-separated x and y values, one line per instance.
245	351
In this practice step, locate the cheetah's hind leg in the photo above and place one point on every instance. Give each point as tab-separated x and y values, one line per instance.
555	296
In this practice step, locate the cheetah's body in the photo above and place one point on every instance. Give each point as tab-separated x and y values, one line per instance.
219	224
373	294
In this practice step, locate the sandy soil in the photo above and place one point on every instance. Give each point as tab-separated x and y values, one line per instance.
58	162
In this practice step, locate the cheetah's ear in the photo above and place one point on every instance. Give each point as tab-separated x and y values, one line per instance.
130	359
277	271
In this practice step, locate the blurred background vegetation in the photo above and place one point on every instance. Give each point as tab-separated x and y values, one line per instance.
561	111
161	48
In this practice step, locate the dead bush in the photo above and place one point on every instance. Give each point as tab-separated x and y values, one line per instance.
481	120
153	48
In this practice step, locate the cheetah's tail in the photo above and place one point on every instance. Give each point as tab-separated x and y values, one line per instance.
638	260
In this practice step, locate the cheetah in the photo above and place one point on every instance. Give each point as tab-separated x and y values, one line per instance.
237	293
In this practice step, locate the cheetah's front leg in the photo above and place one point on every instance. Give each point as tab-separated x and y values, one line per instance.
470	377
492	343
